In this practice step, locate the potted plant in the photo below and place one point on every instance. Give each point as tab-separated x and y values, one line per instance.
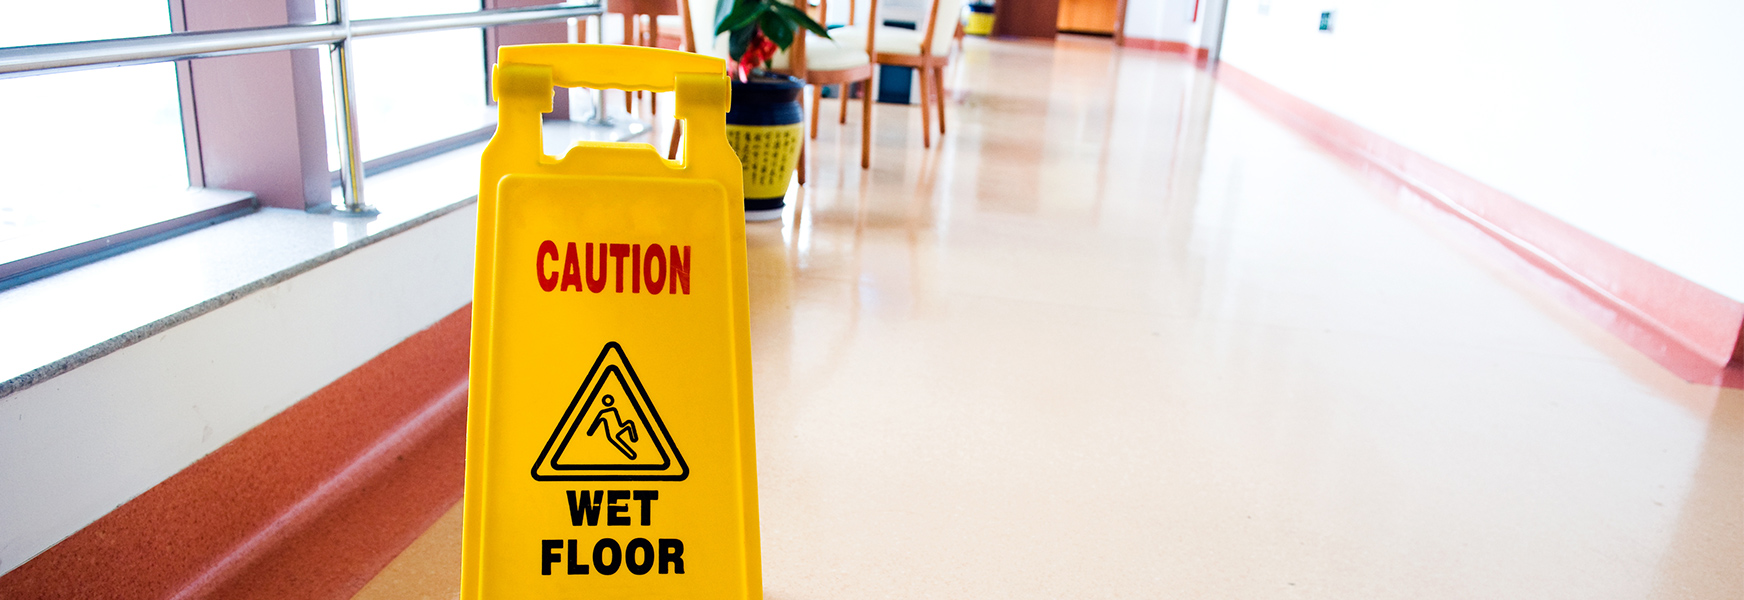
766	123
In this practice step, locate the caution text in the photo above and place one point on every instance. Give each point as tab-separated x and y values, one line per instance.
606	267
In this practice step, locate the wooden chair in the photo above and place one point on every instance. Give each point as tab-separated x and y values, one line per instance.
957	38
688	44
642	28
819	62
822	62
927	50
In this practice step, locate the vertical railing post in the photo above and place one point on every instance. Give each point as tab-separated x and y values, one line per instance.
602	118
345	116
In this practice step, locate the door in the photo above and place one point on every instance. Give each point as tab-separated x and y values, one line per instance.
1088	16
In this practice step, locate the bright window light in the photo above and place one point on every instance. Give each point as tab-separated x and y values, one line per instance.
379	9
418	88
33	23
96	145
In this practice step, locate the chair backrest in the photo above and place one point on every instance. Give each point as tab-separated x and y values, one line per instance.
941	25
701	14
941	22
642	7
796	62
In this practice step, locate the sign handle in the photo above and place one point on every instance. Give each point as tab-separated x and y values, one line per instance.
525	78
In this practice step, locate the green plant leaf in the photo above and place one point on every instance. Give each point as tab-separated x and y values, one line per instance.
744	13
776	28
723	8
798	17
739	41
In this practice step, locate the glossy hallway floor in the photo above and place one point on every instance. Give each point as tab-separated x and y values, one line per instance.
1120	335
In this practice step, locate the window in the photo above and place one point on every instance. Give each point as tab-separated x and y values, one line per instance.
417	89
90	153
32	23
96	161
87	151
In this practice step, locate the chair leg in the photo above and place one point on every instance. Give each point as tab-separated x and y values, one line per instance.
866	125
926	113
629	40
939	91
844	119
677	130
817	97
801	166
652	33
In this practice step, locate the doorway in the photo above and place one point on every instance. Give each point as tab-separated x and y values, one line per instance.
1094	17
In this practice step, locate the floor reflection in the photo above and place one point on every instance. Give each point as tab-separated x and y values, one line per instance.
1128	333
1707	549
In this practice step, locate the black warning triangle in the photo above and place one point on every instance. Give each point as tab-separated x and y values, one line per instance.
610	431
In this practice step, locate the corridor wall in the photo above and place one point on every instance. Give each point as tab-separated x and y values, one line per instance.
1162	21
1616	117
94	438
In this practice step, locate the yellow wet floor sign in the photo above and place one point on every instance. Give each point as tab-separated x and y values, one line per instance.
610	449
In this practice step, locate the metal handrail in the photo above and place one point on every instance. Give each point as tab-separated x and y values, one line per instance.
23	61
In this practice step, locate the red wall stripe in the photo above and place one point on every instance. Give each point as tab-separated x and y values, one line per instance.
1170	46
1691	330
310	504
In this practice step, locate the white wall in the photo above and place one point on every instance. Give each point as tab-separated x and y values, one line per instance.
1625	119
1168	20
83	443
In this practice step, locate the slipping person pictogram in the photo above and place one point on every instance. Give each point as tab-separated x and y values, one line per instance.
623	428
623	438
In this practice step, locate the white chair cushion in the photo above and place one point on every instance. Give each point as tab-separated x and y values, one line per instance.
820	54
895	40
827	55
